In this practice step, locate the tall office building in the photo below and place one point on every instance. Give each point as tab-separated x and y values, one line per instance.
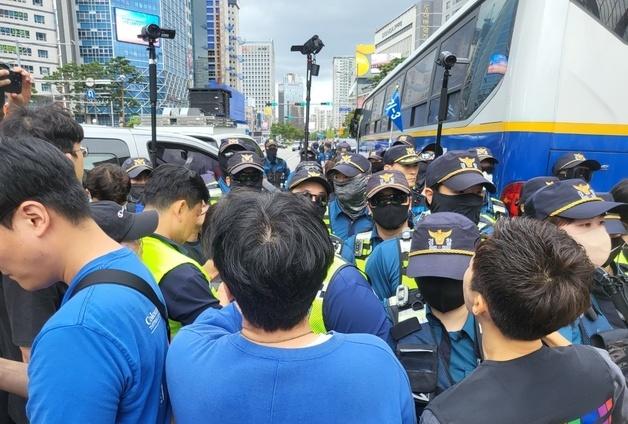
321	118
291	91
344	73
234	58
217	40
98	42
200	55
28	37
258	71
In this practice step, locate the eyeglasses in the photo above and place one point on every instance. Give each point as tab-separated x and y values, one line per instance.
83	151
319	199
396	199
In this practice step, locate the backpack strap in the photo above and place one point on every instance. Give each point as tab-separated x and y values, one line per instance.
126	279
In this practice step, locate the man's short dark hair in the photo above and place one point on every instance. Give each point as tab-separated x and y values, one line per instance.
108	182
170	183
534	277
620	194
273	254
50	123
33	169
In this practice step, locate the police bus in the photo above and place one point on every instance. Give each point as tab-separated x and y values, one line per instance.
544	77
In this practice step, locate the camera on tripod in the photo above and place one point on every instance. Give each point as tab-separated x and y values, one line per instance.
312	46
153	32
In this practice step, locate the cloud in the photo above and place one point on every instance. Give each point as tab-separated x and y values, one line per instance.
341	24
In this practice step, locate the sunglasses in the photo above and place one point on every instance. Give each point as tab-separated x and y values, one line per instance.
581	172
396	199
247	177
319	199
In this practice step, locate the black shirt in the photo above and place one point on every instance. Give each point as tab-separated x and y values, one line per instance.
548	386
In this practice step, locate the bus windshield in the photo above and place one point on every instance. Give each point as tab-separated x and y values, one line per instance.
613	14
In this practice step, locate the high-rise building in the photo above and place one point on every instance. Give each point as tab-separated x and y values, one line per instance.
28	37
258	71
200	56
450	7
291	97
217	40
344	73
321	118
234	62
98	42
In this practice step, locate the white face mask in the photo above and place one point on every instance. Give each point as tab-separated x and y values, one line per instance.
594	239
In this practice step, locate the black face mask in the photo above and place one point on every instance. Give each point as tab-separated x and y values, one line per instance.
420	178
137	192
245	180
468	205
390	217
442	294
617	245
376	166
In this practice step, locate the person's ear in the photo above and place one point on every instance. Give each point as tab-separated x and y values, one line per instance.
429	194
32	217
479	305
178	208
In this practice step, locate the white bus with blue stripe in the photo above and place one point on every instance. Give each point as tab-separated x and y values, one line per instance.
545	77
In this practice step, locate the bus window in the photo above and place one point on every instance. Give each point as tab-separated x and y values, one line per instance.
459	43
489	61
418	80
613	14
391	89
378	105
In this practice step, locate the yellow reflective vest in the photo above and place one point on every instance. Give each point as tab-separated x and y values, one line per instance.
317	322
160	258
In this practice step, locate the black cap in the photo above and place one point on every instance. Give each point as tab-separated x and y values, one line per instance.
401	154
122	225
612	221
442	246
573	199
351	164
571	160
375	155
135	166
534	184
309	174
244	160
484	153
458	171
386	179
404	140
343	147
432	147
309	164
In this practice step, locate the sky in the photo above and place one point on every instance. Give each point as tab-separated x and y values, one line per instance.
341	24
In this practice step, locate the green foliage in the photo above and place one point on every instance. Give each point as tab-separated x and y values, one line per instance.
286	131
386	69
133	121
330	133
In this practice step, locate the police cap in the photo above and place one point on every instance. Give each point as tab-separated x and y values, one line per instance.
386	179
404	140
572	199
484	153
309	174
532	185
135	166
244	160
571	160
458	171
351	164
612	221
443	244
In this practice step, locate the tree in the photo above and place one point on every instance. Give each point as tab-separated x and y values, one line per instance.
386	69
287	131
122	74
75	75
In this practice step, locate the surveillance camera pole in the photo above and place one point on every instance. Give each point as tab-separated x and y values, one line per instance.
443	110
152	82
308	88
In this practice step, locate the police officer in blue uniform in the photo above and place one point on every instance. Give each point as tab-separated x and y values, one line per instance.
376	158
435	317
139	171
227	148
454	183
575	207
275	168
348	213
493	208
404	140
388	200
403	158
575	165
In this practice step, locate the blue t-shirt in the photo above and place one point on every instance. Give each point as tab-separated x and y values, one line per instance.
350	306
101	357
344	227
215	372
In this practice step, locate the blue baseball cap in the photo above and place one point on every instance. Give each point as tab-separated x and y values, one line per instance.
572	199
401	154
443	244
404	140
458	171
534	184
351	164
571	160
244	160
386	179
612	221
309	174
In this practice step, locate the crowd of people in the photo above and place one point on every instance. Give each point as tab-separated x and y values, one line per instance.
391	288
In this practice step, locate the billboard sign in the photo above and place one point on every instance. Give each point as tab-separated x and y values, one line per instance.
129	25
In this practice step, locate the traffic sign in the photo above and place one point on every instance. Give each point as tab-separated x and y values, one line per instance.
90	94
89	82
